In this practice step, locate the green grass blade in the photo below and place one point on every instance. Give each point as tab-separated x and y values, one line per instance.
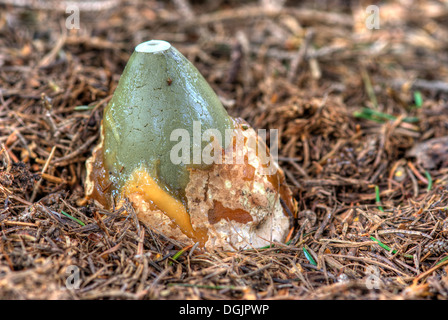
418	99
73	218
382	245
378	198
380	117
309	257
443	260
84	108
428	176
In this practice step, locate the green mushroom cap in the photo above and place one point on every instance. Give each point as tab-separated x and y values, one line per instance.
159	91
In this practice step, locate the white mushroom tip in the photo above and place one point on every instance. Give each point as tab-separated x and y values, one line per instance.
153	46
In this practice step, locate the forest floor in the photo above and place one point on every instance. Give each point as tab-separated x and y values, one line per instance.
362	115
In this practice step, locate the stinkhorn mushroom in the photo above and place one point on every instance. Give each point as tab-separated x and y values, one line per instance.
191	171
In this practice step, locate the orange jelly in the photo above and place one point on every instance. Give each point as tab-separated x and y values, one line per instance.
100	179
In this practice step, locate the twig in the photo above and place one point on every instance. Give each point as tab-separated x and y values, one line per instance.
44	169
421	84
75	153
324	223
300	55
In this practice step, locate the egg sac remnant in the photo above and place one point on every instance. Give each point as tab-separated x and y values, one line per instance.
163	102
